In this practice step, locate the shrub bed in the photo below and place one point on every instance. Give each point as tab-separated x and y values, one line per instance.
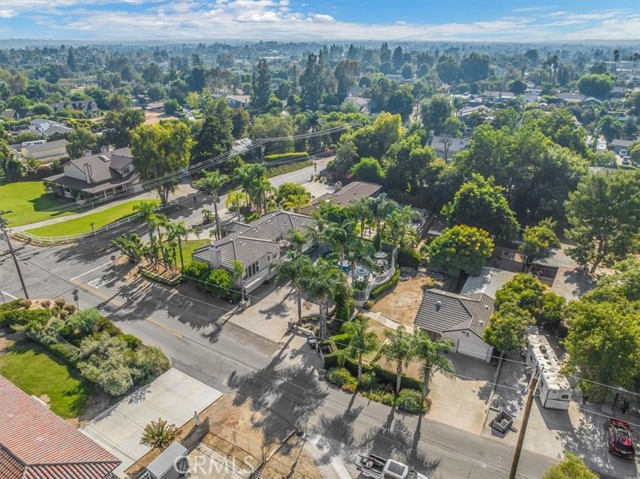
218	282
379	290
161	279
408	400
89	342
409	257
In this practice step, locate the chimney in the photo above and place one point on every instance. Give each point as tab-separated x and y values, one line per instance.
337	186
104	149
87	153
438	305
87	172
216	257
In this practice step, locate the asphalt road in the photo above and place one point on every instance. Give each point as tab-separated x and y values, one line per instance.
223	355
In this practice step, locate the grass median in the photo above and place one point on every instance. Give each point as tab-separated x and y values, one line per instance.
82	224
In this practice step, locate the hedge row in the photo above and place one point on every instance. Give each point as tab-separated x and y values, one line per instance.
288	168
161	279
301	155
379	290
382	375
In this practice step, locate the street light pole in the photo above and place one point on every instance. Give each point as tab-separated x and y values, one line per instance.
523	428
15	260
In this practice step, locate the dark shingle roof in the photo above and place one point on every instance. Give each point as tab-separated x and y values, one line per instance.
441	311
40	445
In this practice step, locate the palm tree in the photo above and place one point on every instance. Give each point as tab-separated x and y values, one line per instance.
261	189
147	210
211	184
179	231
398	223
237	199
398	348
131	245
158	434
296	269
362	212
358	251
298	239
337	236
325	282
297	202
381	207
362	341
160	221
429	353
249	176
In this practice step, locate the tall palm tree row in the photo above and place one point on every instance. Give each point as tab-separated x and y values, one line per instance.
429	352
399	348
254	182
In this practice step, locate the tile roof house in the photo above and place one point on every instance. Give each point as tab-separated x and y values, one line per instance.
256	246
87	106
343	195
462	319
107	173
37	444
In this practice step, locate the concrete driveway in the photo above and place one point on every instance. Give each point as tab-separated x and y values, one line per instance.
174	397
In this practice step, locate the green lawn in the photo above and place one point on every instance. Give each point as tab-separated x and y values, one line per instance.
35	371
29	202
189	247
83	224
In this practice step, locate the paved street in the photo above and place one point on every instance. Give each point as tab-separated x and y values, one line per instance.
203	339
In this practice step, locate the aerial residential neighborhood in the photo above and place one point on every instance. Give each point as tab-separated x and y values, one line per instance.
277	239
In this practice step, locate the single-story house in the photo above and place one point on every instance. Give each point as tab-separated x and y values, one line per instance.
37	444
107	173
155	106
87	106
616	92
46	128
463	319
256	246
618	145
44	151
488	282
571	97
499	95
362	103
238	101
343	195
446	147
16	114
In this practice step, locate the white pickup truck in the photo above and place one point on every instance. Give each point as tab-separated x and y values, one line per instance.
376	467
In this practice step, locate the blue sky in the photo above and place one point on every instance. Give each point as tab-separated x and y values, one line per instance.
321	20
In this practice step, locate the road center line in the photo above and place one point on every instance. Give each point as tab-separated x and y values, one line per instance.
91	270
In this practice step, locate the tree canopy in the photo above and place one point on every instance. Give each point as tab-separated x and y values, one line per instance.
461	248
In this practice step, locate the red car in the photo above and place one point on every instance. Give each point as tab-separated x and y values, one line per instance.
620	439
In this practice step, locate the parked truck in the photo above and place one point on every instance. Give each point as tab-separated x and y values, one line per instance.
376	467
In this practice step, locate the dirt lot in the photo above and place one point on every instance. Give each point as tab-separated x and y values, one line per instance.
234	432
153	117
401	305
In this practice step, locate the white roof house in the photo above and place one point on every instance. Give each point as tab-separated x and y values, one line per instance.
488	282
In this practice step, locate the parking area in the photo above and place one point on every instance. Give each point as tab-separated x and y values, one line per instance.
174	397
580	430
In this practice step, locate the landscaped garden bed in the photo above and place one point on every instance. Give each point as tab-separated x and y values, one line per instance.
86	341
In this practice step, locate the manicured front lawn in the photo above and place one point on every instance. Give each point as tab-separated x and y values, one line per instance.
83	224
29	202
189	247
35	371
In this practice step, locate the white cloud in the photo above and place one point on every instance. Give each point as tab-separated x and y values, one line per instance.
274	19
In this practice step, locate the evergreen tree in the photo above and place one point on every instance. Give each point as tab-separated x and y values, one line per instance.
261	88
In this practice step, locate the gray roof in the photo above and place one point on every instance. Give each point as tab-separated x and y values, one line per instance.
441	311
251	242
104	165
165	461
46	146
456	144
571	97
352	192
621	143
48	127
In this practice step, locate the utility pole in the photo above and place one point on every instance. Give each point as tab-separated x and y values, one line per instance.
523	428
3	228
